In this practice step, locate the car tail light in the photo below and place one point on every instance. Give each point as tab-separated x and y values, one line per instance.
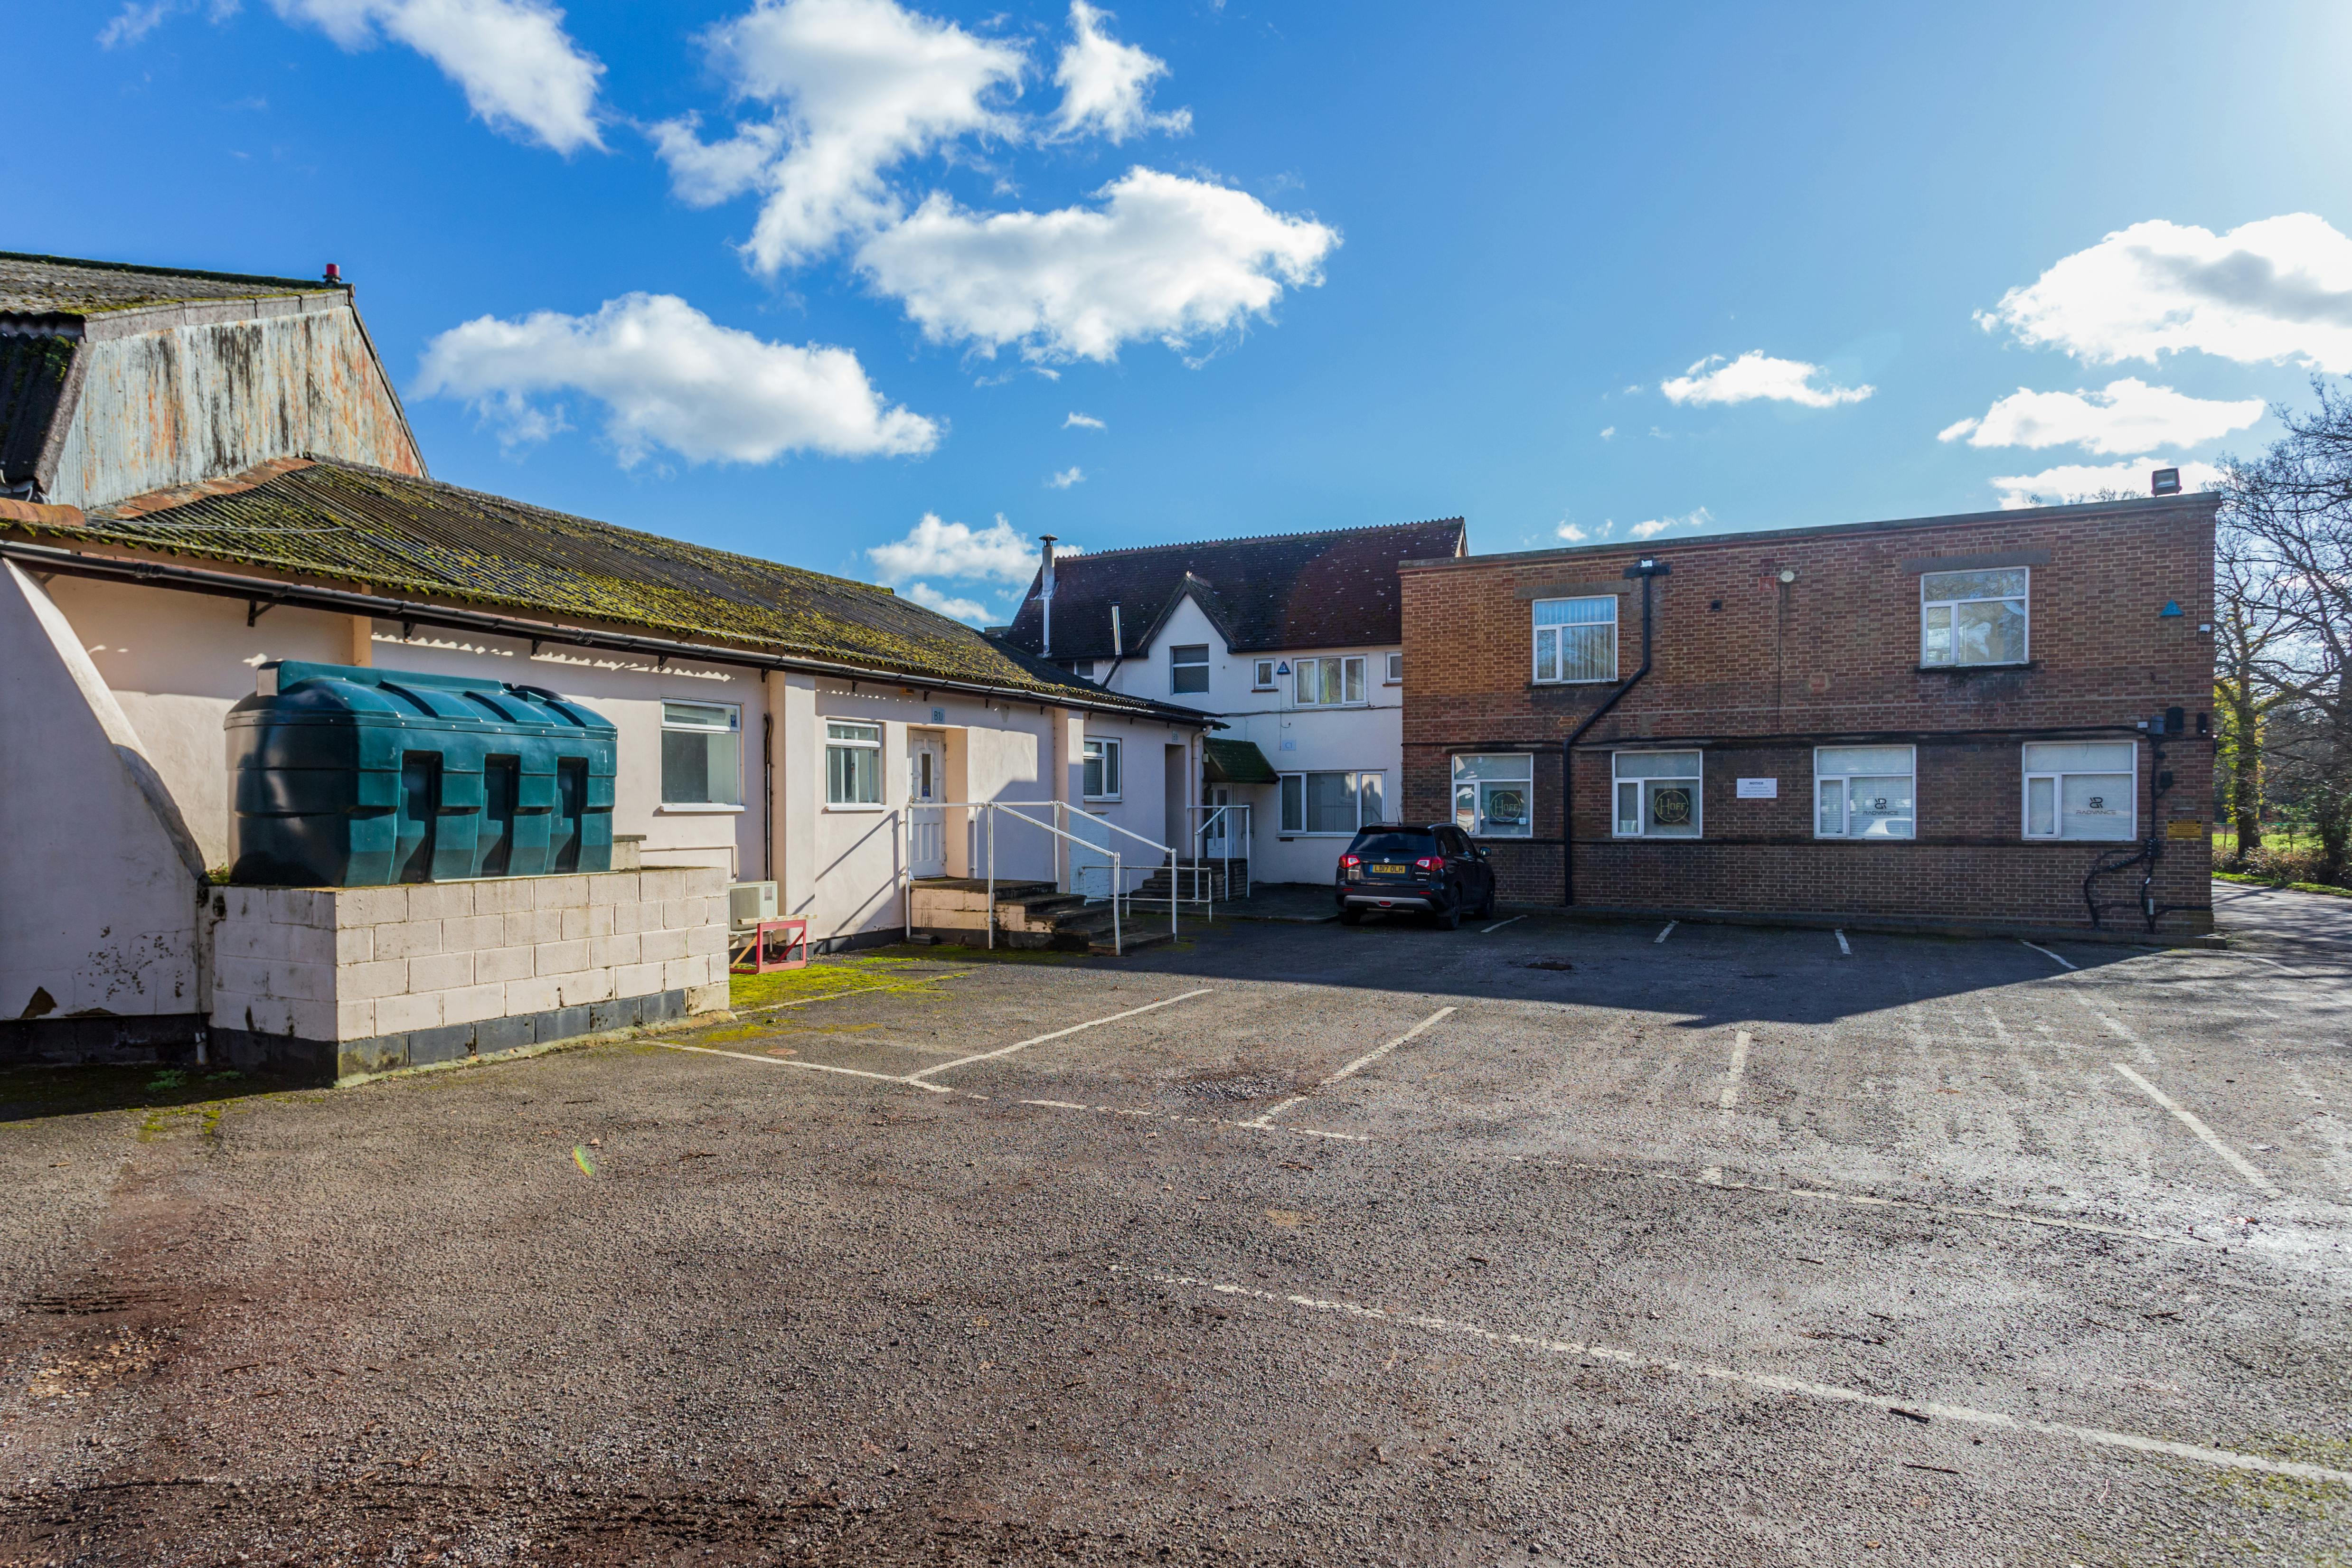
1429	862
1352	860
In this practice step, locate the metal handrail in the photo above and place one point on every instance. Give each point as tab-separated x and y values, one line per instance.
1010	808
1210	816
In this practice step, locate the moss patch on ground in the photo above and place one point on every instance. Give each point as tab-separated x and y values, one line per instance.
828	977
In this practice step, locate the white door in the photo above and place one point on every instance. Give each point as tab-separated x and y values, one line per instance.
926	767
1090	874
1216	822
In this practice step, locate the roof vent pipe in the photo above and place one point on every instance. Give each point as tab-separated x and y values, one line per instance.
1118	645
1046	596
334	273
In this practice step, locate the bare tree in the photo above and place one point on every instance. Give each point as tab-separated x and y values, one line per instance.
2245	630
2289	517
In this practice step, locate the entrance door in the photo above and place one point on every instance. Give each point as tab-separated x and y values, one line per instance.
926	771
1222	825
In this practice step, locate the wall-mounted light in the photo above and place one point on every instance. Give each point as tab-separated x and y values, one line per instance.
1788	574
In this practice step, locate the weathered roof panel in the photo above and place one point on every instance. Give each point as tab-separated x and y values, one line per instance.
1335	589
66	285
397	534
32	371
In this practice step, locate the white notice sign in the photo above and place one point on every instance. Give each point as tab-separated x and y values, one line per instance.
1760	788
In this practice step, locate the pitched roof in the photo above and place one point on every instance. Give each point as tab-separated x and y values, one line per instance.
67	285
403	536
1334	590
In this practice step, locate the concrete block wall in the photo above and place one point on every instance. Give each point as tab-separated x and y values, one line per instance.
342	980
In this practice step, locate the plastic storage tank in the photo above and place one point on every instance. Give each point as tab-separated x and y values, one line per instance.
350	777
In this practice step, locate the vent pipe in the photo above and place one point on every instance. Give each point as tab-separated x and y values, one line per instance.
1118	644
1046	596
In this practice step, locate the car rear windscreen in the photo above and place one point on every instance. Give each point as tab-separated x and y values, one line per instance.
1406	844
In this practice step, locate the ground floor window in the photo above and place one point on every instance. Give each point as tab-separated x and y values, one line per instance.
1863	791
1658	794
1102	770
1332	803
2081	789
701	754
853	763
1494	795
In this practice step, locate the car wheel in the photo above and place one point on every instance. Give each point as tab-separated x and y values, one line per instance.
1486	904
1351	918
1451	920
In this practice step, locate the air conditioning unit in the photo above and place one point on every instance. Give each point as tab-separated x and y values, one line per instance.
748	902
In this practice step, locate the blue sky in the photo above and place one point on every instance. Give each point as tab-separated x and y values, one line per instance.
827	280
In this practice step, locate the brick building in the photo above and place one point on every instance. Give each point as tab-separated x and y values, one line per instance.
1941	722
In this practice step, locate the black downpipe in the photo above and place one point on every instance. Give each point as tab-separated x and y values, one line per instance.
1646	571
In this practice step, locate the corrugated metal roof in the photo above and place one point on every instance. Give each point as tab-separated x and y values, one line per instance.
68	286
339	522
32	380
1335	589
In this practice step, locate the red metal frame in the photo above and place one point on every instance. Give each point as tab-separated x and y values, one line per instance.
796	934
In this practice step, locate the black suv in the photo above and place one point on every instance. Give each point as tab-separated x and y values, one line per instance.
1434	868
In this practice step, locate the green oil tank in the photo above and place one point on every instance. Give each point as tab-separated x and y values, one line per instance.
349	776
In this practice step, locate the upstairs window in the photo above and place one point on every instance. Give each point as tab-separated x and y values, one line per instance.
1262	676
1658	795
853	763
1188	668
1396	670
701	750
1865	791
1494	795
1575	638
1330	683
1973	617
1101	771
2081	789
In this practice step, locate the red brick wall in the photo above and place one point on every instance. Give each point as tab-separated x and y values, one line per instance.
1756	673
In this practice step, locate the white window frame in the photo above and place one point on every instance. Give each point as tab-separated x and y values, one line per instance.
1175	663
1642	817
840	743
2058	778
1282	802
732	725
1395	677
1951	606
1103	751
1844	781
1541	634
1477	827
1351	678
1262	678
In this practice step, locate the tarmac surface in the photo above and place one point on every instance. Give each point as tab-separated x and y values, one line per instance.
1544	1241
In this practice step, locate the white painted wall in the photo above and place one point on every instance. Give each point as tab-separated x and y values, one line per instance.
1295	739
98	875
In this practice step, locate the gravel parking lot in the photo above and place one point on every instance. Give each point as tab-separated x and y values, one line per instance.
1543	1242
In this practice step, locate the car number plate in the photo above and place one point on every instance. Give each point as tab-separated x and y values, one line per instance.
1384	869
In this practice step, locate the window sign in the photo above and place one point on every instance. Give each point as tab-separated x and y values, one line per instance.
1494	795
1658	795
1863	791
701	754
1973	617
2081	789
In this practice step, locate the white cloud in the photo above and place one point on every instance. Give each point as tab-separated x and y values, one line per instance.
140	18
857	87
1106	85
1609	433
2275	289
936	548
1572	534
2078	482
670	377
931	598
1756	374
1083	422
520	71
1073	474
1697	518
1164	256
2129	415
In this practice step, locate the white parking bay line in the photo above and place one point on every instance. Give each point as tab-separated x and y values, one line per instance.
1042	1038
2047	954
1358	1065
2189	1120
1731	1077
2221	1459
1842	946
1498	924
803	1066
1669	930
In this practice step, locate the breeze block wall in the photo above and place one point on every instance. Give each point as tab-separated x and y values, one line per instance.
1754	672
332	982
